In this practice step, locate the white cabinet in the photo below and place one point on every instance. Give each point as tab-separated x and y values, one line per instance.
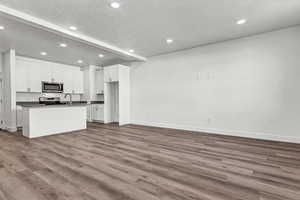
89	113
21	76
19	116
111	73
99	81
72	80
36	74
77	76
31	72
71	77
98	112
58	72
68	82
95	112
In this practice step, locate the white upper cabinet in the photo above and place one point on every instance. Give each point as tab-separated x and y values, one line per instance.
99	81
58	73
111	73
30	73
36	74
68	81
21	76
77	76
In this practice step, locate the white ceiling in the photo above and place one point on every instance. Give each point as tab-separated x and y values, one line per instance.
144	25
30	41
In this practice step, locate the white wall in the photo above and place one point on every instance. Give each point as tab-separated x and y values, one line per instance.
124	95
246	87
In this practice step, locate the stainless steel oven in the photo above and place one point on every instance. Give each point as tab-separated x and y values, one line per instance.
48	87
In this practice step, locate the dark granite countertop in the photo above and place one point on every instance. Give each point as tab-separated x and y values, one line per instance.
64	103
53	106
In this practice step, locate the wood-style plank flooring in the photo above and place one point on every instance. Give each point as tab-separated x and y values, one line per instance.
108	162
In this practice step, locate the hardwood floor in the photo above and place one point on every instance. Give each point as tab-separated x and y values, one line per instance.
144	163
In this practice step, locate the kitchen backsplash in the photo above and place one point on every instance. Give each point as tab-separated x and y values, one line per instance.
35	96
31	97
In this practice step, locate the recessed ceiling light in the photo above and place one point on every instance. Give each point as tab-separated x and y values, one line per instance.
2	27
63	45
131	50
169	40
115	5
73	28
101	55
79	61
241	21
43	53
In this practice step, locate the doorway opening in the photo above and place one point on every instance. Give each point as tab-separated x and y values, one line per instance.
112	102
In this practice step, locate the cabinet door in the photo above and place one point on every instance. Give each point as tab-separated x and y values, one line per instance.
89	112
94	112
58	72
99	82
68	79
21	76
30	74
19	116
96	81
100	116
98	112
38	72
78	81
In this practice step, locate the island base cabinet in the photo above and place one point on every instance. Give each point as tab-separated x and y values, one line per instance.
49	120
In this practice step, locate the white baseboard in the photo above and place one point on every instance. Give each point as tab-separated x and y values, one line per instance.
246	134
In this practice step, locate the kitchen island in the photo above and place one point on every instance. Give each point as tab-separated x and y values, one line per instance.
43	120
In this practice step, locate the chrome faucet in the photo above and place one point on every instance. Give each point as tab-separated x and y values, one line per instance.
70	102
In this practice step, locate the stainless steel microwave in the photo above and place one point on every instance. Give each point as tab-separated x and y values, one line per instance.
48	87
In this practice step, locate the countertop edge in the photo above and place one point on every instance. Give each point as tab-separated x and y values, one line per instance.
53	106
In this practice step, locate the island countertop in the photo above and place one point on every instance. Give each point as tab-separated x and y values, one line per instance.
36	104
54	105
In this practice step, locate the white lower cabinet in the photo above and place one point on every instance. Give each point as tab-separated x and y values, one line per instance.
98	112
19	116
89	113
